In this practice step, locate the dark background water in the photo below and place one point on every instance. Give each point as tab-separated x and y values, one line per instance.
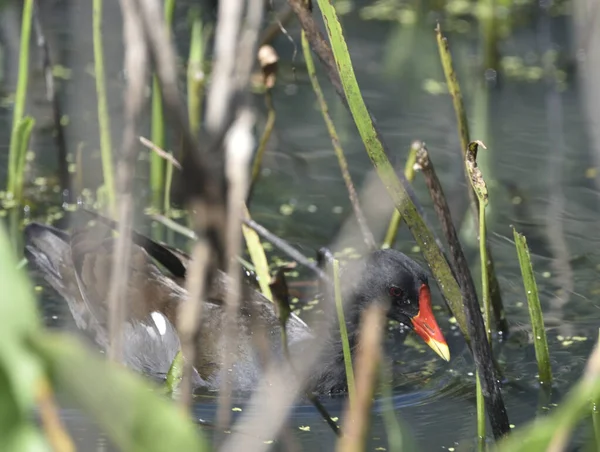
542	160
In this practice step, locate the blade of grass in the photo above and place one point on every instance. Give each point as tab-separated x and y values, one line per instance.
103	119
480	413
397	190
339	152
195	74
23	135
343	331
20	96
535	310
409	174
258	257
157	165
175	374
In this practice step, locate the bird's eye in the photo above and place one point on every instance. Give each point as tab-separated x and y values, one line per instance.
396	292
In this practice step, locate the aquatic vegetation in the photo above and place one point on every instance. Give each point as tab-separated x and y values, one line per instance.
136	415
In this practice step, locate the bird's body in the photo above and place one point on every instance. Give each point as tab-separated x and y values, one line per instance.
78	267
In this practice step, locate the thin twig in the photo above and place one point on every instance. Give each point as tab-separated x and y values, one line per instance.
285	247
161	152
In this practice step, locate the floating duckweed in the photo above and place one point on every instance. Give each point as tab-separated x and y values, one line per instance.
38	289
304	428
566	343
267	246
269	441
434	87
286	209
416	249
313	302
312	208
307	308
579	338
62	72
40	181
64	120
335	419
516	200
452	320
72	168
343	7
591	173
546	274
337	210
236	408
519	304
380	448
512	425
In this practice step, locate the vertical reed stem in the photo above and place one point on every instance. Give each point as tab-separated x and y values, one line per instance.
103	119
195	75
20	96
157	164
343	332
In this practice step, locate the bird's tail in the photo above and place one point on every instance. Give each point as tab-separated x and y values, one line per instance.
45	247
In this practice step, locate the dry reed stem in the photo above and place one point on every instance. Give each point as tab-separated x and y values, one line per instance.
136	65
161	152
203	186
239	146
358	414
189	315
57	436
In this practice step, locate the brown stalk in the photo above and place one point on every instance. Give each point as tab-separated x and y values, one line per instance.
480	347
358	414
189	314
160	152
228	109
57	436
202	182
136	65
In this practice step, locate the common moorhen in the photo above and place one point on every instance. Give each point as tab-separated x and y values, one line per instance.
78	267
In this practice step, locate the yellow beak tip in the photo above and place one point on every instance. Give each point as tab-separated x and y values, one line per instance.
440	348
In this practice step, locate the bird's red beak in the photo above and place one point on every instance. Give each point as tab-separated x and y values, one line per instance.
426	326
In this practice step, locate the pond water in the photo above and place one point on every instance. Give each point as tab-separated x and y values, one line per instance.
541	165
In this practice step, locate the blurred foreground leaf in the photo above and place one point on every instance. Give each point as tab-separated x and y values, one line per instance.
20	369
130	410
